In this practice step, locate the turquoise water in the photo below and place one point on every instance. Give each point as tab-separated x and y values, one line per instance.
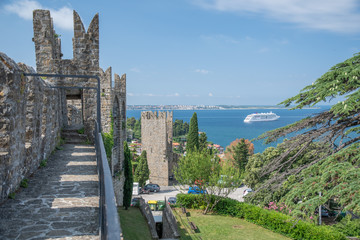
224	126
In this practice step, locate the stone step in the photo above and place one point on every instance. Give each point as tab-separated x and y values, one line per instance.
75	140
71	135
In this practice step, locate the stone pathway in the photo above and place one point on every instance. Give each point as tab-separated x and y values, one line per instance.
61	201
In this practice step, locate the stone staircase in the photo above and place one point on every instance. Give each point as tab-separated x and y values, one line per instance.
71	135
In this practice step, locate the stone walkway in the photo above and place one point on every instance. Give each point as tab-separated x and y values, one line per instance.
61	201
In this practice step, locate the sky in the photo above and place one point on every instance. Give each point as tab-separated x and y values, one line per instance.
201	52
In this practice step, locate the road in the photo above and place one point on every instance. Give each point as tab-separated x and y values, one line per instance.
171	191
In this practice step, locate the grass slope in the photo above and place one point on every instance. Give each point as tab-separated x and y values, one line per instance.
221	227
133	224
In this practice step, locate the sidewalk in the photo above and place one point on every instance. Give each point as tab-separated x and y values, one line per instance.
61	201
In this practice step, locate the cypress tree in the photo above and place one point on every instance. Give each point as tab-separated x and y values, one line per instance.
142	171
128	185
193	135
202	142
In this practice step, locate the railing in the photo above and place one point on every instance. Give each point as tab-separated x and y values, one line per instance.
108	216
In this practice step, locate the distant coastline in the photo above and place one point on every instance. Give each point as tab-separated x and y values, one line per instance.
206	107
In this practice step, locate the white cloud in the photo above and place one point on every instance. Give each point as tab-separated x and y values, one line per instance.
335	16
202	71
130	94
210	95
63	18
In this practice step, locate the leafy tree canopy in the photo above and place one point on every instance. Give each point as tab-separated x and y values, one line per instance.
238	153
324	152
205	171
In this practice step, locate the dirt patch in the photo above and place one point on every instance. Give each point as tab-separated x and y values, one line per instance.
238	227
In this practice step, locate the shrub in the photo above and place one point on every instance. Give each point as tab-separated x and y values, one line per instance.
349	227
43	163
24	183
273	220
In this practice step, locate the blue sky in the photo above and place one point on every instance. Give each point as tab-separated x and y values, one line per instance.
239	52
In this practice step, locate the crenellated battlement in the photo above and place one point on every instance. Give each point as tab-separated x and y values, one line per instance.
86	44
168	116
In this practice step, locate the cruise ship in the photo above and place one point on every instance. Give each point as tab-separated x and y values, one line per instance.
261	117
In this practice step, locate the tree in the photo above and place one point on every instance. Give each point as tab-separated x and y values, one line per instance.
142	172
327	150
193	135
128	184
202	141
212	177
238	152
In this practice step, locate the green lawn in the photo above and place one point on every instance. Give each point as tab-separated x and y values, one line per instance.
133	224
221	227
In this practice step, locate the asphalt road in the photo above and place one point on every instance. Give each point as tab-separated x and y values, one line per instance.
171	191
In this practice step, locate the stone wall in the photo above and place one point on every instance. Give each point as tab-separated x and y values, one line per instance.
156	139
170	228
146	212
106	96
118	98
30	123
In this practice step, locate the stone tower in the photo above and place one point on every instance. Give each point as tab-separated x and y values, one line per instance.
156	139
85	62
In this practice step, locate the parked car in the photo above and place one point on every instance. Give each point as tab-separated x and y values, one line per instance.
152	187
172	201
324	212
135	202
247	191
196	190
144	191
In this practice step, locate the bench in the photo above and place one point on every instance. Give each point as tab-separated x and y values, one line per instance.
193	226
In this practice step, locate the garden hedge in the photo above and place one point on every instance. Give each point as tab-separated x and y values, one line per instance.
270	219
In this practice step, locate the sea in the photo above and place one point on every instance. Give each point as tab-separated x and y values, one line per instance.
224	126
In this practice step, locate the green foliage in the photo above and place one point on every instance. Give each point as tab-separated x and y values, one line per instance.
11	195
336	177
341	79
142	171
193	135
108	143
134	126
128	185
180	128
205	171
240	154
81	131
108	139
24	183
43	163
202	142
273	220
349	227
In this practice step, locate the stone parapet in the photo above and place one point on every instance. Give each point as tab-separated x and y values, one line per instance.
30	123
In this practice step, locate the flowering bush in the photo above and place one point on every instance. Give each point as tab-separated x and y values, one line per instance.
280	207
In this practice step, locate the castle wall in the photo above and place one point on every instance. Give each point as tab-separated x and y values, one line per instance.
29	124
118	98
106	96
156	139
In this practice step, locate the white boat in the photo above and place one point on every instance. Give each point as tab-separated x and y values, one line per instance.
261	117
